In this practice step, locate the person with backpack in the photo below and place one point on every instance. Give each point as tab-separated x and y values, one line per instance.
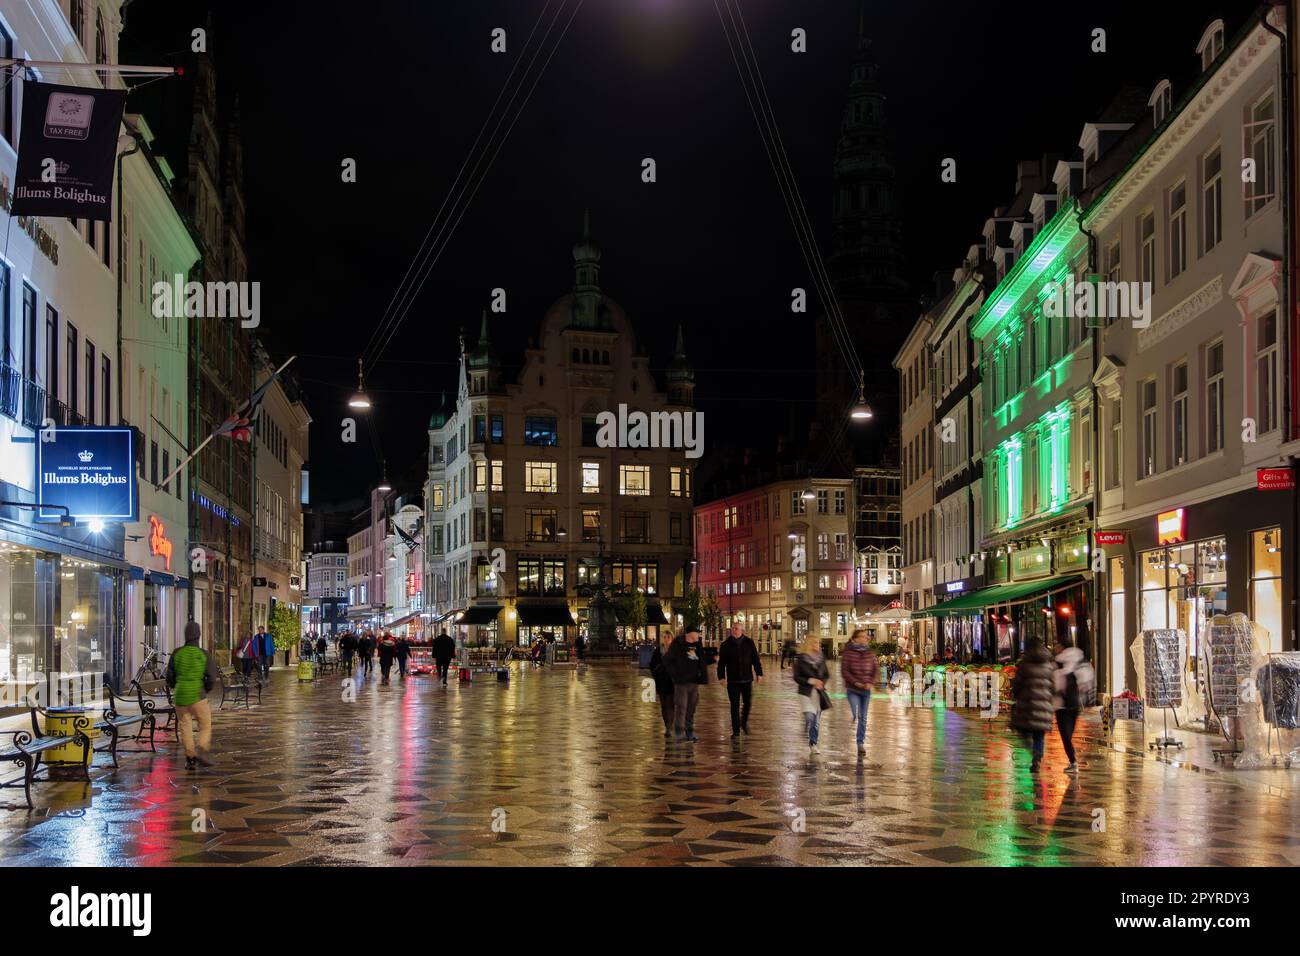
859	669
191	673
810	674
1033	690
1076	687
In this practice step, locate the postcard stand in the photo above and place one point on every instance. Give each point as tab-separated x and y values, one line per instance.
1162	663
1279	689
1230	653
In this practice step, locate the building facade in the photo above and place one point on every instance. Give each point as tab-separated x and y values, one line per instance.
1192	397
916	444
404	569
878	543
780	560
280	447
327	589
366	573
958	457
528	513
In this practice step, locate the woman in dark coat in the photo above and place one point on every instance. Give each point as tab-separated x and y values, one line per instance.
663	683
810	675
1033	689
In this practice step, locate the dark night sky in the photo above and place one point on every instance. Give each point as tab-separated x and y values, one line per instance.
403	87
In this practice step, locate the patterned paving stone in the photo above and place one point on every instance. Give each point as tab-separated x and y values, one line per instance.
574	766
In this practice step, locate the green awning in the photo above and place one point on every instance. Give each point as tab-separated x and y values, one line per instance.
996	596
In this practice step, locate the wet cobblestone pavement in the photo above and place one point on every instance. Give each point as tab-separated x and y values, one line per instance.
572	768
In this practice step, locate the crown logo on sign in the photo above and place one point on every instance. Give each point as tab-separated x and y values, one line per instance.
85	455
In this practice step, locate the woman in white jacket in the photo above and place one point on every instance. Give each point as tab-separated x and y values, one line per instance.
1069	660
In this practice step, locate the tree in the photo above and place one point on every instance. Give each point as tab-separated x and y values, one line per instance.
633	609
285	627
712	614
692	608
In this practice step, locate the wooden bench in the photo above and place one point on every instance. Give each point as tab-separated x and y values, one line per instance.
155	698
28	746
115	720
237	687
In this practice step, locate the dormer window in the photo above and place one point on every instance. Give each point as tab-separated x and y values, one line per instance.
1162	98
1211	44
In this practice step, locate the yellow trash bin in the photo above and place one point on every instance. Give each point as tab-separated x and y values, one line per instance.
61	722
306	670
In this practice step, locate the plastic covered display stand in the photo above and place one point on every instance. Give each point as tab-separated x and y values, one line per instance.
1270	723
1160	658
1232	649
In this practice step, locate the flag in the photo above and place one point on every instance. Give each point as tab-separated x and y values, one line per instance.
239	425
411	543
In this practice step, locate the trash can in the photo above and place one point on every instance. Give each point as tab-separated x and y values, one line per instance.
643	654
306	670
61	722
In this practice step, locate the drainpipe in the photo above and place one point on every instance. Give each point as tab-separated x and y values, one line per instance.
1100	648
1289	327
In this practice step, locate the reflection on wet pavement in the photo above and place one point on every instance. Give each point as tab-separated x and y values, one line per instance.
570	767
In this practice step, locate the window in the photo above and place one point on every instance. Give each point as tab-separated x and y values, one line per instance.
675	528
1111	261
1214	397
797	505
541	576
540	431
90	384
540	476
77	20
634	527
1177	230
51	353
823	502
1266	583
1115	452
823	546
591	477
634	479
590	525
29	333
1260	146
589	431
497	525
1160	101
480	429
101	56
539	524
497	430
8	93
1266	365
841	547
106	388
1178	413
438	496
840	501
1147	464
1211	199
679	481
480	475
1146	231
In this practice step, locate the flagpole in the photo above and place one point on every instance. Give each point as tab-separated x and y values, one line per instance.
125	69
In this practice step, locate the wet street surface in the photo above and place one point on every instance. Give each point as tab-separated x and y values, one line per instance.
570	767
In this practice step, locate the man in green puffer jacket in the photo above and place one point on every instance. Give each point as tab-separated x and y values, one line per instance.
190	674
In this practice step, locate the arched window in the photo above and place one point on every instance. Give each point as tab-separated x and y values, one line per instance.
575	355
77	18
101	45
604	358
586	355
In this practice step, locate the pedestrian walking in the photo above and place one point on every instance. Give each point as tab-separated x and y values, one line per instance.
684	662
264	646
403	652
387	648
789	651
321	646
663	683
580	646
444	649
739	667
191	673
1075	684
347	649
859	669
1032	688
367	651
247	654
811	674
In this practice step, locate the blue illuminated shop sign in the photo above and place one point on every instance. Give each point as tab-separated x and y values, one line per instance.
88	470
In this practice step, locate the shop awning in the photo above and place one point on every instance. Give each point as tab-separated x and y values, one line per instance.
479	614
545	615
996	596
403	620
654	614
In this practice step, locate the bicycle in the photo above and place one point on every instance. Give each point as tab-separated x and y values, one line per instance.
154	664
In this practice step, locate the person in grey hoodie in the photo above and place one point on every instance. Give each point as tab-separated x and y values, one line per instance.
859	668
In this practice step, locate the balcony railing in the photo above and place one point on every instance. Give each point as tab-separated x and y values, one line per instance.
11	385
33	404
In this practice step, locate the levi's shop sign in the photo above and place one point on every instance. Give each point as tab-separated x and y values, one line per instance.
1110	537
1275	479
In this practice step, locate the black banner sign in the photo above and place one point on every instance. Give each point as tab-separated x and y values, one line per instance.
66	151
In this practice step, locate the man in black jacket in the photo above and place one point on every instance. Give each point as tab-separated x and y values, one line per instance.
738	667
444	649
685	665
663	683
